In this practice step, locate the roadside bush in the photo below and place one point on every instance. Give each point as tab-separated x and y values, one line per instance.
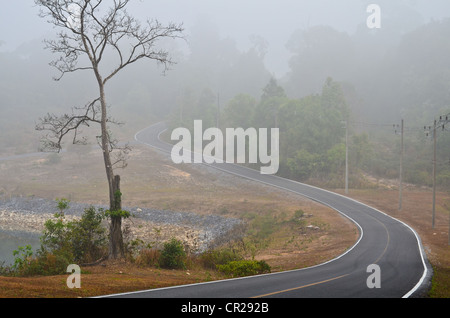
62	243
244	268
25	264
211	259
80	241
46	264
88	236
173	255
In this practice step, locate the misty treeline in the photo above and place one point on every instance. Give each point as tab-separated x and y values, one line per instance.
367	82
370	79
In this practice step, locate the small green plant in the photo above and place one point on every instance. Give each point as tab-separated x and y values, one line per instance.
298	218
299	214
173	255
119	213
22	257
62	204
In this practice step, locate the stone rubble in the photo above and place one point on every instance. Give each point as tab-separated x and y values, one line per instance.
152	226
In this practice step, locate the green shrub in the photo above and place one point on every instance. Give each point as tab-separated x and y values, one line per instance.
47	264
173	255
42	264
244	268
211	259
88	236
62	243
81	241
22	257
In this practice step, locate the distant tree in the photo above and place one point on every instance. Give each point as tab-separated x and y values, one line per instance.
272	89
361	150
90	30
239	111
272	98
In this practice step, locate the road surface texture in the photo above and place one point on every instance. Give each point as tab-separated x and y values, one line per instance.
394	247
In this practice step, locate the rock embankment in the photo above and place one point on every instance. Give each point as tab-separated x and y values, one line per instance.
198	232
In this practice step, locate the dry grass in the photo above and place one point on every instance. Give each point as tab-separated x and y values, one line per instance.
114	277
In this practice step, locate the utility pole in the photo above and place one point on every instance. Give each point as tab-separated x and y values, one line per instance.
443	120
346	157
401	171
434	173
218	109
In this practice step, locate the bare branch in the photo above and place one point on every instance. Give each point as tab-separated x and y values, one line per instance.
119	152
60	126
142	41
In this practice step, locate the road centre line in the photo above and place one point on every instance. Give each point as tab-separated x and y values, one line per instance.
300	287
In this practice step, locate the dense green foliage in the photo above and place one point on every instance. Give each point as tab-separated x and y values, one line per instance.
173	255
81	241
62	243
213	258
244	268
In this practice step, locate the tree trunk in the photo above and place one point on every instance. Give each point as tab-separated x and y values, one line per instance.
116	248
115	229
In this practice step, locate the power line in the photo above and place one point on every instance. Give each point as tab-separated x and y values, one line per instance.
396	127
438	124
360	123
441	124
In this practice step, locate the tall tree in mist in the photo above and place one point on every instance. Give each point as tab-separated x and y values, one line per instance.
88	31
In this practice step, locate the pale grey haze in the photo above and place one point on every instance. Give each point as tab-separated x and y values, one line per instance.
272	20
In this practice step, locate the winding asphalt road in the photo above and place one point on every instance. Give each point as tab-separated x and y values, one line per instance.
383	240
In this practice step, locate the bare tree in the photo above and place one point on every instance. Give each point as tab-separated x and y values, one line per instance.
89	30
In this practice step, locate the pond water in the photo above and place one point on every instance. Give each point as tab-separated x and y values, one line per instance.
11	241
